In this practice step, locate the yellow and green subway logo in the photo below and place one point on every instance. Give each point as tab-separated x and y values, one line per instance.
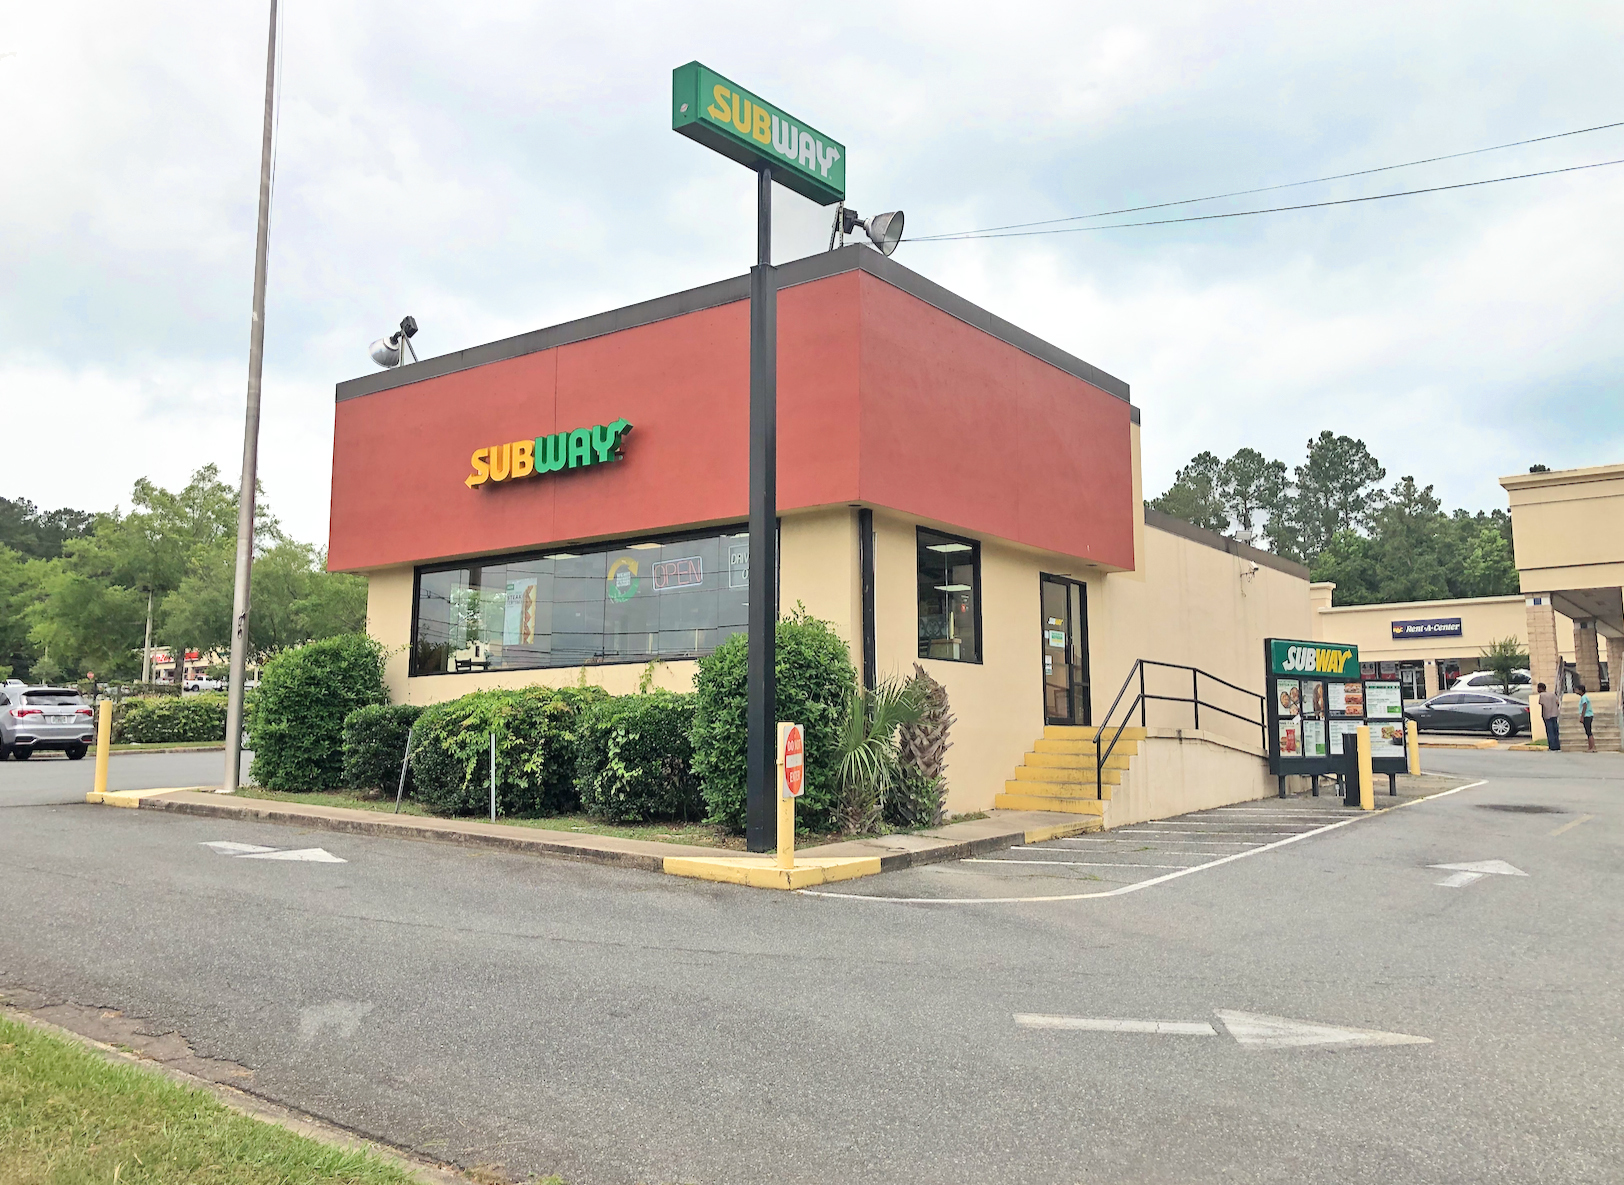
741	126
1312	658
574	449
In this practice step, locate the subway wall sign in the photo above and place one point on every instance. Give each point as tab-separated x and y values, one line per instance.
741	126
574	449
1313	658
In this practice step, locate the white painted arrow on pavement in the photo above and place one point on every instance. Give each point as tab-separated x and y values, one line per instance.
1465	874
249	851
1247	1028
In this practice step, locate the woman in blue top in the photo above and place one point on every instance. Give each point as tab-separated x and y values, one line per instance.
1587	717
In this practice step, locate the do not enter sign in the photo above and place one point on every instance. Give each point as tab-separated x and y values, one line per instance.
791	760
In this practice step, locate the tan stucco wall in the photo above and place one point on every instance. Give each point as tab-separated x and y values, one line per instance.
1569	527
1197	606
1482	620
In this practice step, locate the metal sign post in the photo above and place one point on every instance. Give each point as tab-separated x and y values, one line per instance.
713	111
791	782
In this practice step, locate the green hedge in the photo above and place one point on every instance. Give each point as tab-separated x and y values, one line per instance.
815	675
536	753
170	719
635	759
296	727
375	745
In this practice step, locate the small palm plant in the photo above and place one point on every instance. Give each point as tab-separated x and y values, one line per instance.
920	796
869	767
1504	657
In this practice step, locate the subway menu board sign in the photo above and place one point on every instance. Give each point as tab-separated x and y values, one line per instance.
1313	658
744	127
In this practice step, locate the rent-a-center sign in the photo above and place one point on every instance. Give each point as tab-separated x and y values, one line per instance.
708	108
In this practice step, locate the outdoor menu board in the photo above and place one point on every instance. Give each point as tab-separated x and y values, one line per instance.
1317	699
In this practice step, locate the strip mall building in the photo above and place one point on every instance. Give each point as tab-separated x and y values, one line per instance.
952	491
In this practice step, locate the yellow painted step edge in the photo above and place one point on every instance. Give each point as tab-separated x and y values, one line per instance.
760	872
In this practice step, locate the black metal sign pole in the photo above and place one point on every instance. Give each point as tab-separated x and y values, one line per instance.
760	722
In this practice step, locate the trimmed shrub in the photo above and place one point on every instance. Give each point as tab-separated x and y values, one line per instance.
170	719
635	761
305	695
536	753
375	745
815	676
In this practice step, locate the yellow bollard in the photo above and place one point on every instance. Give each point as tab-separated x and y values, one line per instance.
104	743
1367	788
1412	747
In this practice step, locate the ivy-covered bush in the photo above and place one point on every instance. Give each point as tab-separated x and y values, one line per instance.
536	754
815	676
635	761
375	745
296	725
170	719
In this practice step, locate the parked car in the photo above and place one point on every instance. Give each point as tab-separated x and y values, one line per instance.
44	718
203	685
1470	711
1522	683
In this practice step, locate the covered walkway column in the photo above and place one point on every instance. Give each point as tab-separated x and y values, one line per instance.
1586	654
1544	660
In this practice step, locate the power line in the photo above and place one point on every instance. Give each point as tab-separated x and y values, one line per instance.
988	231
1375	197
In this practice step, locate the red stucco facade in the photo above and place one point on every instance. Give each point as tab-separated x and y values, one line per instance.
884	400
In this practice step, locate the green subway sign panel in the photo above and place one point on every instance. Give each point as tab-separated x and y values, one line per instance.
741	126
574	449
1313	658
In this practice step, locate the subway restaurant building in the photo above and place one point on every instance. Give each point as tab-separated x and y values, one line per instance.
952	490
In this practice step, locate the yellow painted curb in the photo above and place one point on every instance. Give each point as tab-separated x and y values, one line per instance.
1063	830
760	872
132	798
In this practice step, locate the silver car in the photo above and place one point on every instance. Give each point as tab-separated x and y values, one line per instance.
44	718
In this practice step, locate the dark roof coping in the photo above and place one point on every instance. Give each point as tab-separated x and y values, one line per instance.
1163	521
800	271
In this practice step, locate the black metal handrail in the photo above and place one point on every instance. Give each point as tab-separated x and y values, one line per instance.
1141	701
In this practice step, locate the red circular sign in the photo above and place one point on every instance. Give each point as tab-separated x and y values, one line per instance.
794	761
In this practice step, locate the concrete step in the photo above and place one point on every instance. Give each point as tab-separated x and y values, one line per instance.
1016	801
1117	760
1058	789
1086	732
1067	777
1125	745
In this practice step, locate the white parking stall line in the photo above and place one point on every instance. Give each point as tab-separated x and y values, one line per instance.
1089	1024
1073	863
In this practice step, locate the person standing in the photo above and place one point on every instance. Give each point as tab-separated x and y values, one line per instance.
1550	707
1587	717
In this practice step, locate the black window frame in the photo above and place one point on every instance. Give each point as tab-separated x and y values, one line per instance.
975	589
572	548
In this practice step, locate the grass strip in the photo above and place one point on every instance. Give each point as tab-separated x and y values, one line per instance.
70	1117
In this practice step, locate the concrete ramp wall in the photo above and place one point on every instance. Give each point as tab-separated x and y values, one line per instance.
1178	770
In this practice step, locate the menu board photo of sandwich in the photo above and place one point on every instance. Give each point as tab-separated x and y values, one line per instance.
1314	699
1289	746
1290	697
1353	699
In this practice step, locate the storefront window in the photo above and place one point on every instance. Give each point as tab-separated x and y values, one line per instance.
628	602
949	597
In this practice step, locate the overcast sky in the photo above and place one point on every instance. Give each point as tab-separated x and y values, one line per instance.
495	167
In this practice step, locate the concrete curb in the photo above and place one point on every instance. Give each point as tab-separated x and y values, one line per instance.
886	853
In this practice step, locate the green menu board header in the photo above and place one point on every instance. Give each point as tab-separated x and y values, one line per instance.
708	108
1313	658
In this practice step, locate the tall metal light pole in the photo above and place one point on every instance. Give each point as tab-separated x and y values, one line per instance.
761	721
250	438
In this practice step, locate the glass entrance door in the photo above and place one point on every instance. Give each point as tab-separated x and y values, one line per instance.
1064	626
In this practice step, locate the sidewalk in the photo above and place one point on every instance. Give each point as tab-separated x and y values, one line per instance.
815	865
